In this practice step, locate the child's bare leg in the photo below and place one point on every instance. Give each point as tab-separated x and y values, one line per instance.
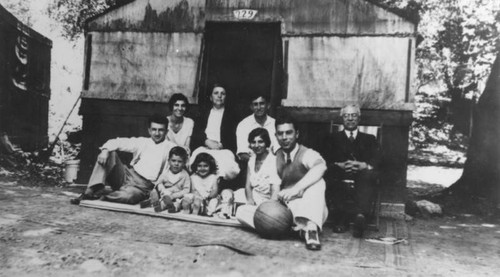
227	202
155	200
197	203
187	202
212	206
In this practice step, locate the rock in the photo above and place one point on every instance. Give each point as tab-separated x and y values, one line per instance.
93	266
429	208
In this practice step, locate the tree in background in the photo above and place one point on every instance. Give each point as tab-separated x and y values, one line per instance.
72	14
457	52
481	175
454	58
460	42
21	9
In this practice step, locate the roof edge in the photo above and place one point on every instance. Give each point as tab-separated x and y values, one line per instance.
12	20
106	11
411	14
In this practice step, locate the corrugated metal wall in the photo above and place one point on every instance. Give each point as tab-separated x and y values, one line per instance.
333	52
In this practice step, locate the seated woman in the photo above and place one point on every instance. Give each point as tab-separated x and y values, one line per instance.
262	182
215	133
180	128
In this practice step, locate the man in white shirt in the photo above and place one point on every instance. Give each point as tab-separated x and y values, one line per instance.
258	119
301	170
130	185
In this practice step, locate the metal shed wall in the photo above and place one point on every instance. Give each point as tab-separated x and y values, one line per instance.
147	50
334	52
333	71
142	66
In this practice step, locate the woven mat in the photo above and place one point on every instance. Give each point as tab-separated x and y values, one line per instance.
196	231
135	209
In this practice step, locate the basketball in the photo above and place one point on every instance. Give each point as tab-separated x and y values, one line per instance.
272	219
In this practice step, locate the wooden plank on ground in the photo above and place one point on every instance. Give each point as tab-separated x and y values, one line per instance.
135	209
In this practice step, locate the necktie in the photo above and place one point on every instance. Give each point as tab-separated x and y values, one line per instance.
351	137
288	160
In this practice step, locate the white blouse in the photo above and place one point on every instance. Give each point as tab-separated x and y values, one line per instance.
268	174
214	123
183	134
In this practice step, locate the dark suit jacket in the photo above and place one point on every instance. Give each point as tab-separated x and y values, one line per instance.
227	133
365	148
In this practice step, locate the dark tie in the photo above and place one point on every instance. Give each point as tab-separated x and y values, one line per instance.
351	137
288	160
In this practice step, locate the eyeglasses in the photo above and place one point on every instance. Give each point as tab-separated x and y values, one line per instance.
353	115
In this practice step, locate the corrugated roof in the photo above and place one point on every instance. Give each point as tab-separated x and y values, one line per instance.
410	14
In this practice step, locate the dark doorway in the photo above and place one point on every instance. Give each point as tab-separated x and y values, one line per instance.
244	57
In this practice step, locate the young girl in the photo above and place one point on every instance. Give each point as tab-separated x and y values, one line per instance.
205	184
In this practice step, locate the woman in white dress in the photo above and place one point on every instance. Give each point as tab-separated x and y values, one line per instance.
180	128
262	182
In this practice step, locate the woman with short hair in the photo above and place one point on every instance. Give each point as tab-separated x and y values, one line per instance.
262	180
215	133
180	128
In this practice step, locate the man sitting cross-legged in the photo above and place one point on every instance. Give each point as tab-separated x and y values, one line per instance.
133	184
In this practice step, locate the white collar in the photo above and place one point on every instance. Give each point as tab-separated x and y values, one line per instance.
265	122
221	110
292	153
354	133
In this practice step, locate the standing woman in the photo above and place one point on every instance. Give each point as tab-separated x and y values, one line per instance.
215	133
180	128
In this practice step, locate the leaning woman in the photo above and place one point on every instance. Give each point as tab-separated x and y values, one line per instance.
180	128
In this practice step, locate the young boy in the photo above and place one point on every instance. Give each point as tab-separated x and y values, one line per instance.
172	185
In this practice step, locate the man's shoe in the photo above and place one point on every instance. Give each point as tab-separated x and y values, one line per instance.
312	240
75	201
87	195
145	203
359	226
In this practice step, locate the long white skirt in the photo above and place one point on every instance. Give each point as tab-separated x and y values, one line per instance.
225	159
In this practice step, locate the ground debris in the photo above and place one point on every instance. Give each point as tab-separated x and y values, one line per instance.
93	265
29	170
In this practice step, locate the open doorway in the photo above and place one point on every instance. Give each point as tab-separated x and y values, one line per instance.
244	57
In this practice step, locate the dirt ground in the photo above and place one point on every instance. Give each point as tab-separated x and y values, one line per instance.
41	234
